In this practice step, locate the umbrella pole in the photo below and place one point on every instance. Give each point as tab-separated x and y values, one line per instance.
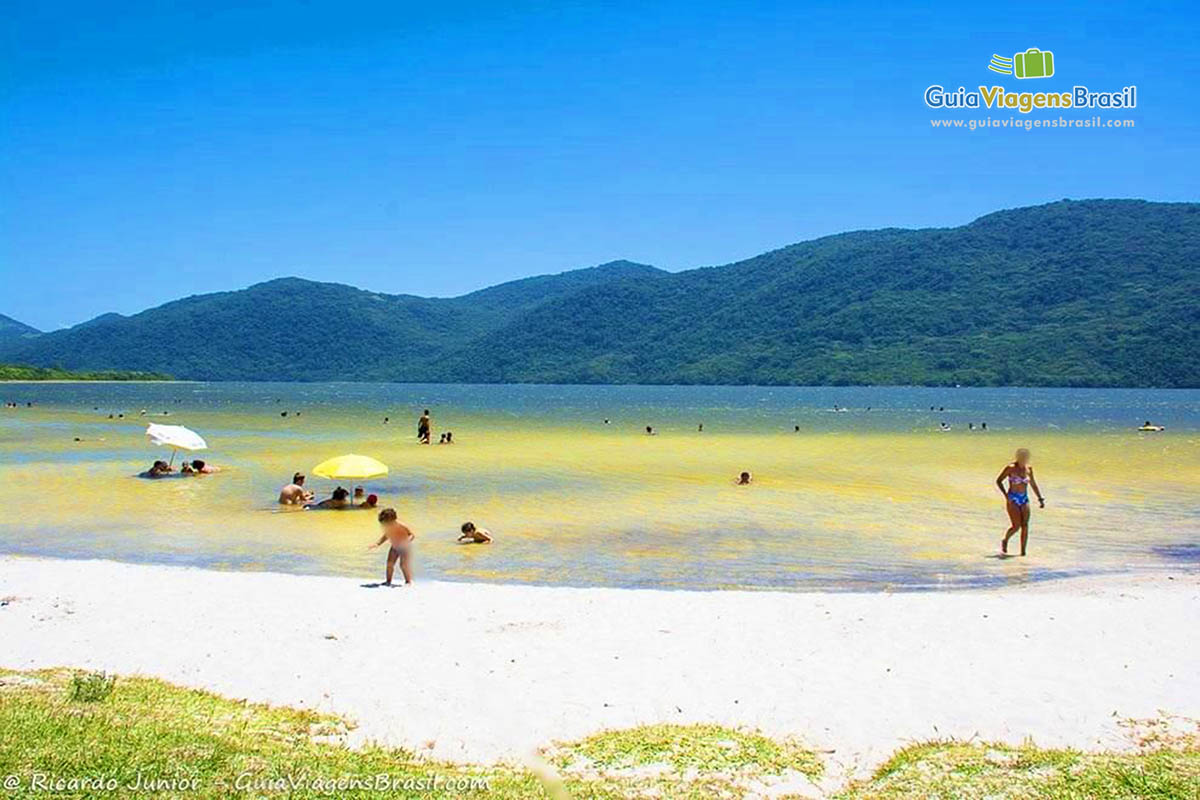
171	463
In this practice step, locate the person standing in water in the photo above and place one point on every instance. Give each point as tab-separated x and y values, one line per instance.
423	428
401	538
1019	476
294	494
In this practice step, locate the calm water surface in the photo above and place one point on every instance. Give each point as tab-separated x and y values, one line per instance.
857	499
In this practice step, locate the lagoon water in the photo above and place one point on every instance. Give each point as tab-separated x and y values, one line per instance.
857	499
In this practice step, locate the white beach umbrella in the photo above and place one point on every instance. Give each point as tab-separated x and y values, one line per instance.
175	437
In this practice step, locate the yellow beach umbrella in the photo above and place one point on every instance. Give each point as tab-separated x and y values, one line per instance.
350	467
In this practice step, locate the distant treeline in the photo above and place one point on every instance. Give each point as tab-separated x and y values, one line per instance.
17	372
1075	293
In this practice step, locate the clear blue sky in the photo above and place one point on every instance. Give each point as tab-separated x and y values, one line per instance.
153	151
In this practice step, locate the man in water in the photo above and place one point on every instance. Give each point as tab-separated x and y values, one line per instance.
401	539
294	493
423	428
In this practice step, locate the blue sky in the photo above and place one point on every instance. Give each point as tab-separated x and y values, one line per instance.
153	151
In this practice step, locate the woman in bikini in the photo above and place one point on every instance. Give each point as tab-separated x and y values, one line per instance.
1019	476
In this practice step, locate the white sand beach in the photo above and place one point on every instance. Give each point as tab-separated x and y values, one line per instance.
477	672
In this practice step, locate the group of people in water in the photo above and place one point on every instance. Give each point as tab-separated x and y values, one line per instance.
162	469
425	430
396	534
1013	482
294	494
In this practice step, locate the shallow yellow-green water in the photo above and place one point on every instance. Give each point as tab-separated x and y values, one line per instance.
854	499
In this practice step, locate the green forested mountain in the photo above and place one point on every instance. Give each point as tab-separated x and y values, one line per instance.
11	329
1100	293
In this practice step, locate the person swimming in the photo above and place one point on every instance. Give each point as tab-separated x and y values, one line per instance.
474	535
744	479
1019	475
371	502
649	430
204	468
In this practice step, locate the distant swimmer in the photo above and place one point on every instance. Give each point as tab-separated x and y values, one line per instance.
983	426
360	494
385	420
700	428
204	468
943	427
294	494
797	429
744	479
424	424
186	469
1147	427
474	535
371	502
1019	476
649	430
400	537
606	420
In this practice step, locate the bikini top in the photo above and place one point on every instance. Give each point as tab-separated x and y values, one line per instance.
1018	479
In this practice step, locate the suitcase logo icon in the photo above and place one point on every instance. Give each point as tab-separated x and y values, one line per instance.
1033	63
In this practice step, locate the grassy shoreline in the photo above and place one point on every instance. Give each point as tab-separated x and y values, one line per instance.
20	373
83	734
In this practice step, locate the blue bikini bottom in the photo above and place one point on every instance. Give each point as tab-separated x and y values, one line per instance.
1018	499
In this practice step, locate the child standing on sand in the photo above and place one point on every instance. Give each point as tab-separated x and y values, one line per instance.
401	538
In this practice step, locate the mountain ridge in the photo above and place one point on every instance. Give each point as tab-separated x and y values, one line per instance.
1095	292
14	329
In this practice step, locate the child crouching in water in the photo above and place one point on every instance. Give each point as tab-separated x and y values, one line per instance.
401	538
473	535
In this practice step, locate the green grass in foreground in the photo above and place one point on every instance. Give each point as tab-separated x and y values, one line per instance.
18	372
67	726
953	770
